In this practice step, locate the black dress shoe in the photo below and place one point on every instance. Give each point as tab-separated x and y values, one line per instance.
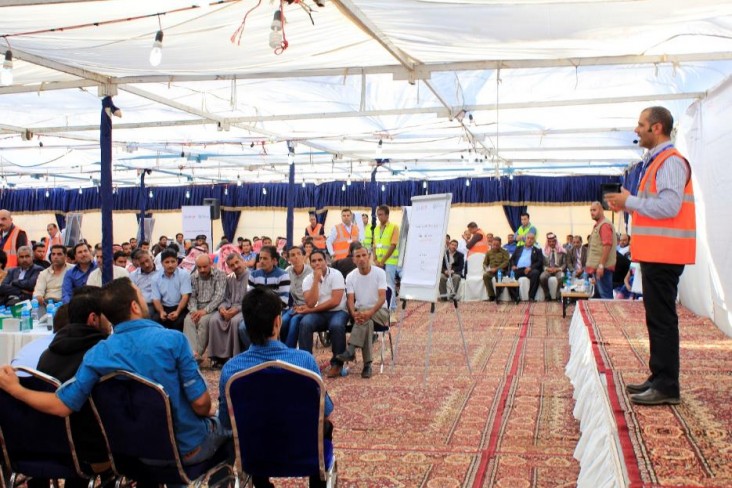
639	388
654	397
491	299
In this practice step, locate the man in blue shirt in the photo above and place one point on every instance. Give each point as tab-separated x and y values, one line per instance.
527	261
165	358
262	311
77	276
171	289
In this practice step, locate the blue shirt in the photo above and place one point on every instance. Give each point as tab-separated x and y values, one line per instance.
255	355
511	248
166	358
144	281
170	289
525	259
75	278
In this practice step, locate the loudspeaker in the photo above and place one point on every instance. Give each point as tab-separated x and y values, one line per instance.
215	207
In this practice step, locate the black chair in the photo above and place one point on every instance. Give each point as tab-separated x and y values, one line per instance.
277	415
37	444
137	422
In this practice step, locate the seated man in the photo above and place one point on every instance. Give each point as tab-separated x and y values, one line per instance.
39	255
208	286
76	277
20	281
171	290
324	309
347	264
366	291
527	261
143	276
165	359
576	258
261	308
554	265
496	259
452	267
48	285
95	277
298	271
223	337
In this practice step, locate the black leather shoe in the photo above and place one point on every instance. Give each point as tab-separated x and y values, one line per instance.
366	372
654	397
346	356
491	299
639	388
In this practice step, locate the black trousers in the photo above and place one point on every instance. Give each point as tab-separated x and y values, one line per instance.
533	277
660	287
176	324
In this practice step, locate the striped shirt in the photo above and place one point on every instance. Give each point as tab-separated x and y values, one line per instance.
670	182
278	280
207	294
255	355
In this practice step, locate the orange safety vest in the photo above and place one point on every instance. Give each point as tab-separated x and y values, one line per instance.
343	240
10	248
52	241
668	241
318	238
481	246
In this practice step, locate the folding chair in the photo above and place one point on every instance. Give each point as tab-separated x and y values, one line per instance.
137	422
37	444
277	415
385	330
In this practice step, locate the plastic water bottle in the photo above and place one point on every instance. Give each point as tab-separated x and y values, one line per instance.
500	276
344	370
587	283
567	282
513	276
26	323
34	310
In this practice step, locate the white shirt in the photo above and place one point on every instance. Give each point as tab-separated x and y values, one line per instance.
366	287
95	277
333	280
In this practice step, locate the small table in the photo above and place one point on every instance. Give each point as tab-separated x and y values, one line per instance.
506	285
11	342
576	295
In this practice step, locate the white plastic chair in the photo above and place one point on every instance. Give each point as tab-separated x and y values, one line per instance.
474	289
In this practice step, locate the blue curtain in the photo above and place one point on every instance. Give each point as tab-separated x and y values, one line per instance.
522	190
230	221
513	215
61	221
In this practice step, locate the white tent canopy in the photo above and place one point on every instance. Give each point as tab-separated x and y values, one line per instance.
451	88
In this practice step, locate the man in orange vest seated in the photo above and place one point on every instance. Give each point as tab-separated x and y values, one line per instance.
315	231
342	235
664	240
11	238
478	242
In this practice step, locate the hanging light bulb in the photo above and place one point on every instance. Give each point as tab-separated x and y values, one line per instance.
264	191
348	181
379	149
303	183
275	35
188	194
6	75
424	185
343	188
203	5
48	193
238	180
150	194
80	191
226	190
383	187
510	177
467	182
156	53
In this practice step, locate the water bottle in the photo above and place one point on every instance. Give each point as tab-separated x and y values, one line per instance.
500	276
35	313
25	321
513	276
567	282
587	283
344	370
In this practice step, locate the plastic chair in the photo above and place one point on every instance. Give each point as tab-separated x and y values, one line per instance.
37	444
277	416
137	422
474	289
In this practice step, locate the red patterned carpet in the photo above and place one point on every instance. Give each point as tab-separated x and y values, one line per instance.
508	424
685	445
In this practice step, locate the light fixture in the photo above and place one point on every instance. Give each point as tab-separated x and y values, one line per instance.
264	191
424	185
226	190
343	187
303	183
275	35
467	182
156	53
383	187
80	191
48	193
348	181
203	5
6	75
510	177
379	149
150	194
188	194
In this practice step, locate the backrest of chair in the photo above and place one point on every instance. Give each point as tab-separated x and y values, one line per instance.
475	264
35	443
136	418
276	412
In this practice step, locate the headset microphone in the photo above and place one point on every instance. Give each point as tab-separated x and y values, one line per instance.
635	141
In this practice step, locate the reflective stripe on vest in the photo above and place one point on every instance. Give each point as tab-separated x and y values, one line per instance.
382	243
343	240
318	238
368	238
481	246
669	241
10	248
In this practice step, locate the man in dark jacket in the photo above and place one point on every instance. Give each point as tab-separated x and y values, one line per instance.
61	360
20	281
527	261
